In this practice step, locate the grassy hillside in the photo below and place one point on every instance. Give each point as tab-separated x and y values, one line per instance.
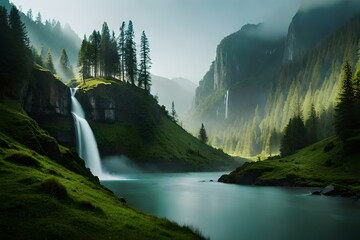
318	165
46	192
143	131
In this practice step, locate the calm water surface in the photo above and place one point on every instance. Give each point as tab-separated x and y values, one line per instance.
223	211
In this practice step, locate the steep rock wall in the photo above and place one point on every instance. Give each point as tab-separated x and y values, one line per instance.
48	101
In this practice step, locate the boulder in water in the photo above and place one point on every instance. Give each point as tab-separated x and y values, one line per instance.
122	200
316	193
327	190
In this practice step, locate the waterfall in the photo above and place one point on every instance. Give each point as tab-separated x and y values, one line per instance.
226	101
85	141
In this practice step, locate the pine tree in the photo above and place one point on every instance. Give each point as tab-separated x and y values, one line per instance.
312	126
173	116
344	115
202	134
20	58
64	59
4	38
114	56
4	50
38	19
20	41
130	54
15	54
95	39
49	64
357	86
65	66
29	14
36	56
357	99
145	64
274	142
294	137
84	59
42	52
105	58
122	51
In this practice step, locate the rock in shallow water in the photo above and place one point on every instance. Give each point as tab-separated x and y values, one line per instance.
328	189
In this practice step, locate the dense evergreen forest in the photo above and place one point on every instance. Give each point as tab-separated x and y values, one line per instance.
301	103
105	55
15	61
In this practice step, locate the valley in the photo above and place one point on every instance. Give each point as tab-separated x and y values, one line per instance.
101	139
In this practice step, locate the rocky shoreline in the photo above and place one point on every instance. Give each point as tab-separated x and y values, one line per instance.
251	178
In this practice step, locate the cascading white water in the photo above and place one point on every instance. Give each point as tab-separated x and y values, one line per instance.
226	104
85	141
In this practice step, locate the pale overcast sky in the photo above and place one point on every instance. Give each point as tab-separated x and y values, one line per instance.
183	34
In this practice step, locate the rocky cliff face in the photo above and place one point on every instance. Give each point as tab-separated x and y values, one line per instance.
47	95
310	25
48	101
245	61
248	62
113	102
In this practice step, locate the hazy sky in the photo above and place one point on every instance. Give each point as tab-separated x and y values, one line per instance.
183	34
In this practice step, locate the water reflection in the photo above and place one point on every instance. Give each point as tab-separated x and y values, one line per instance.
224	211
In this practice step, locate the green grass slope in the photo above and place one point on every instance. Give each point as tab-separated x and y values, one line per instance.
47	193
143	131
318	165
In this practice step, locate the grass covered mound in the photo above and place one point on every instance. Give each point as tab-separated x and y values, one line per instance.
46	198
142	130
318	165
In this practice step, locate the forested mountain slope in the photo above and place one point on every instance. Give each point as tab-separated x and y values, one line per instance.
271	82
45	34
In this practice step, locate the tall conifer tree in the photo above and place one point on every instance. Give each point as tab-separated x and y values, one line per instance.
294	137
130	53
174	116
15	54
84	59
202	134
4	51
95	39
114	56
312	126
19	43
344	115
4	39
65	66
145	63
122	51
105	58
49	64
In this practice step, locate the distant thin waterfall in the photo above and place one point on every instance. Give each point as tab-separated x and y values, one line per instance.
226	102
85	141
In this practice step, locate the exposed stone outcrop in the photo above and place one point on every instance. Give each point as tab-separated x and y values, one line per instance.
112	103
48	101
246	63
47	95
